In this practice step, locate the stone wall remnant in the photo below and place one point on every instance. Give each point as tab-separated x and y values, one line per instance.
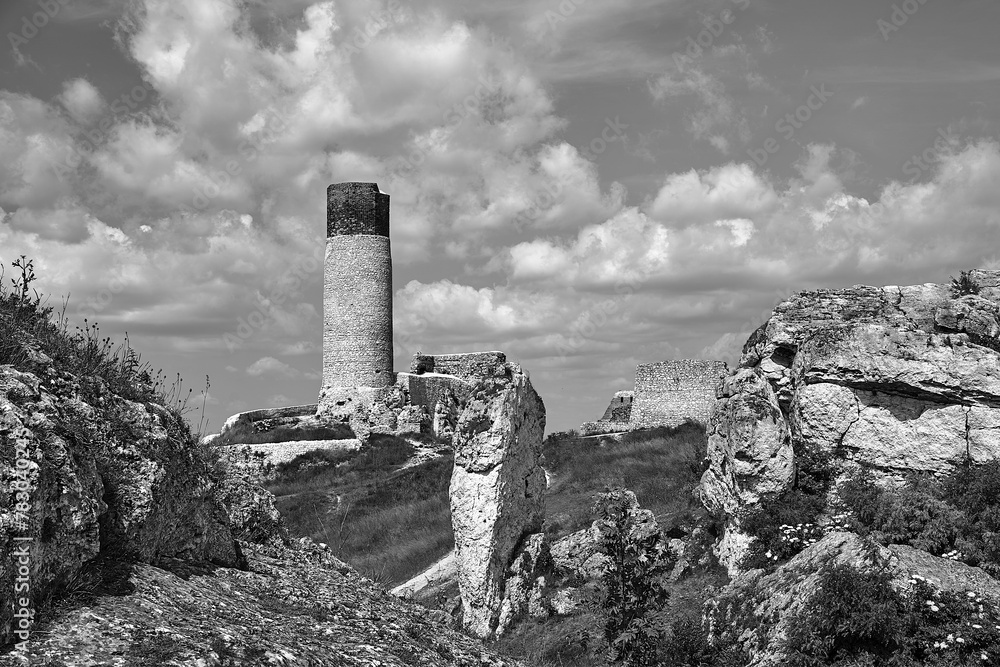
668	393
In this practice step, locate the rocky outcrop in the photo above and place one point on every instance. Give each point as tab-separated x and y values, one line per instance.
296	607
526	584
497	489
757	608
894	379
95	474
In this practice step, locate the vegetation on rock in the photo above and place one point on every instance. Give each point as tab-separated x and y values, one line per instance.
634	586
859	618
785	525
957	517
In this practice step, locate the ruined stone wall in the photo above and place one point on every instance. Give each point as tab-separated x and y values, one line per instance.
470	365
268	414
357	290
604	427
427	390
669	392
620	408
276	453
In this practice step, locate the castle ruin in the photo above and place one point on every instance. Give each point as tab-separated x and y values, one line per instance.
667	393
357	288
360	386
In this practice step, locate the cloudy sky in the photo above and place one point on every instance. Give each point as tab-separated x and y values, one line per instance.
585	185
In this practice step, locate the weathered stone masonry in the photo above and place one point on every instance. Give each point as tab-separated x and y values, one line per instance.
669	392
357	292
620	408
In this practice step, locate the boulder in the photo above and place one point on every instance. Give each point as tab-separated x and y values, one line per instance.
894	379
497	489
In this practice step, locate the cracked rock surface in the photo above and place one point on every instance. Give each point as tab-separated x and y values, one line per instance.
294	606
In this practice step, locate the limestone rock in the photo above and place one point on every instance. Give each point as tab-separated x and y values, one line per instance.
572	555
757	608
525	589
579	554
497	489
297	607
99	473
253	515
894	379
749	445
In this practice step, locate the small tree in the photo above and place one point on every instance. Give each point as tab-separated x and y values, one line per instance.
633	578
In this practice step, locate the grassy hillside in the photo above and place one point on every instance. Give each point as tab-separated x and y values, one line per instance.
662	466
390	524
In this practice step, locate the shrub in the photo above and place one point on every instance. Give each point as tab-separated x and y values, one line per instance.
963	285
688	646
957	517
858	618
633	580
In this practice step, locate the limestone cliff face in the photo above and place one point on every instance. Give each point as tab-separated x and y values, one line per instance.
497	490
894	378
85	472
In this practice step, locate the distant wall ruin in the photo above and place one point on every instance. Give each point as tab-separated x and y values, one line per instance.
667	393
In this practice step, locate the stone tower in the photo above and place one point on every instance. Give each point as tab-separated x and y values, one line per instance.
357	288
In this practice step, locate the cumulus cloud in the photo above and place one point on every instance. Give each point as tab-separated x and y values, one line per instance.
272	366
83	102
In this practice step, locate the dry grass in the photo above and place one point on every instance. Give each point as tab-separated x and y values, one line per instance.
388	524
662	466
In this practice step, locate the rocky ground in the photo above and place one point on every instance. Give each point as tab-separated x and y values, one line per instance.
294	606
